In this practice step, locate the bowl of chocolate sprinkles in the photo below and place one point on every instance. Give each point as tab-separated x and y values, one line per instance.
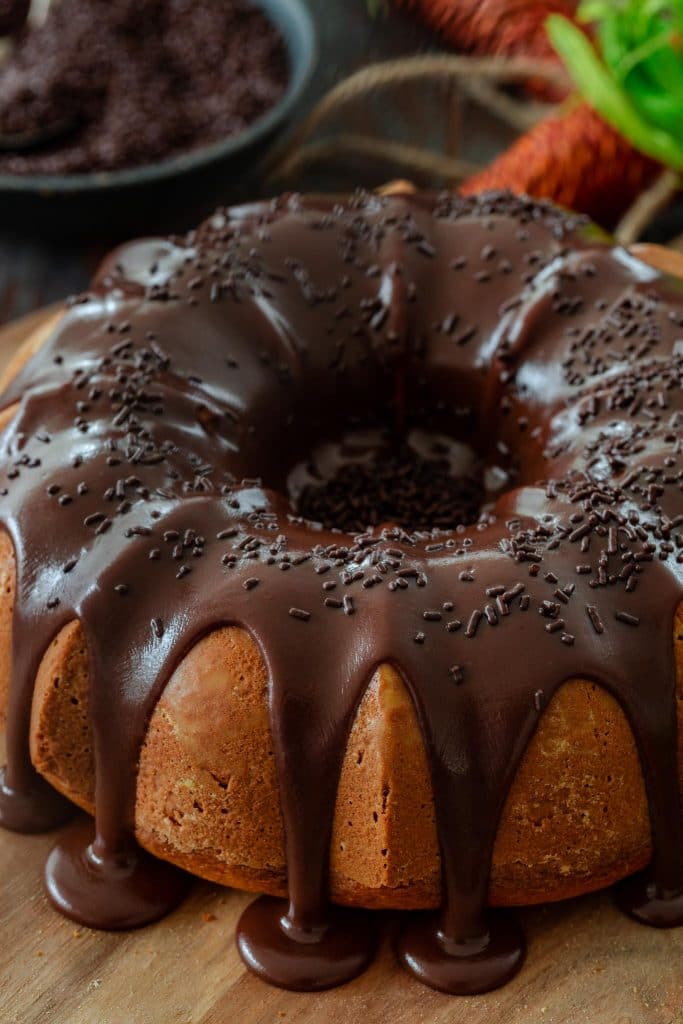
133	115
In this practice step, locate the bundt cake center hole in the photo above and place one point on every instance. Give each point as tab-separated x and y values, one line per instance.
420	482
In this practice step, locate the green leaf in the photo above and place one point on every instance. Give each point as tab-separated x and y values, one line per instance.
630	83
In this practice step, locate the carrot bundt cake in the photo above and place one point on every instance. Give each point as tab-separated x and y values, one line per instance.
341	561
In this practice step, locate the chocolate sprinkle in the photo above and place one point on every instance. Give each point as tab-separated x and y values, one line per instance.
300	613
201	76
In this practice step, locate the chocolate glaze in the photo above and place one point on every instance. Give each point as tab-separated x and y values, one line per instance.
34	806
112	889
304	956
196	363
463	966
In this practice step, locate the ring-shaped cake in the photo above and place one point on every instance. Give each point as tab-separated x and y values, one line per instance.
484	713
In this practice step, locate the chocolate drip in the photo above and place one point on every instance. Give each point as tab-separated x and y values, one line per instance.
115	889
198	362
27	802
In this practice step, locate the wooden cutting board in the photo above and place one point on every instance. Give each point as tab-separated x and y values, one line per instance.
587	963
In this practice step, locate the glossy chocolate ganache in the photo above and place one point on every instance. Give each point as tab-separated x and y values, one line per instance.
168	431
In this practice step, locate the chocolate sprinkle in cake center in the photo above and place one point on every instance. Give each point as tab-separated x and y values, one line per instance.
395	485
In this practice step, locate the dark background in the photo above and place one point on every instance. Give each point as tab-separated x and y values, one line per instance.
35	271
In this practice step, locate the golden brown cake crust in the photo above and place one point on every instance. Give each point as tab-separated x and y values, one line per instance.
207	798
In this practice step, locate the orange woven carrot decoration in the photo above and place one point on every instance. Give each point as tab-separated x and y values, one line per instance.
497	28
494	27
577	160
574	157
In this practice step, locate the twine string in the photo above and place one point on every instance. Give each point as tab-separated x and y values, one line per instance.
647	206
464	70
402	154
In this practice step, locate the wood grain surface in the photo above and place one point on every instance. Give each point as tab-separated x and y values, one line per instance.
587	963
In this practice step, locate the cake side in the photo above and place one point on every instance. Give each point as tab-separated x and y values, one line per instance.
207	797
575	818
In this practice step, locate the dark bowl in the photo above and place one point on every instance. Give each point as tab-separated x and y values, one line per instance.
172	194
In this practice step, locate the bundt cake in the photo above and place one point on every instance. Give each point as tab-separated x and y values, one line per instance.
456	704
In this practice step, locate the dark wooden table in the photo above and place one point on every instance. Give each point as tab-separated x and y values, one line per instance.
35	272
